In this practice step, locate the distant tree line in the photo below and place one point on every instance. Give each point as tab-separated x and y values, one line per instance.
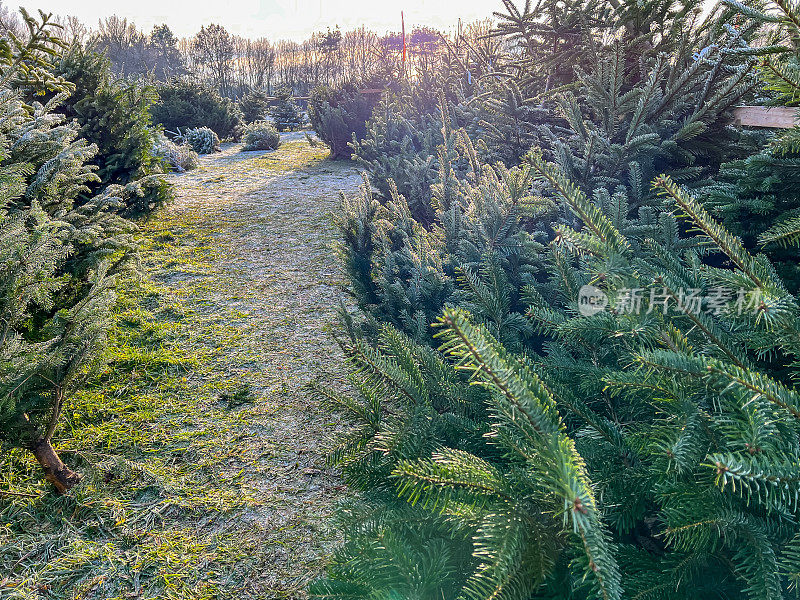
235	65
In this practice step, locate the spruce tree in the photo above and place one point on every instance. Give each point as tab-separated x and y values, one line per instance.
254	106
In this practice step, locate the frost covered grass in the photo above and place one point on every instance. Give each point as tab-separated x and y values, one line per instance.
203	457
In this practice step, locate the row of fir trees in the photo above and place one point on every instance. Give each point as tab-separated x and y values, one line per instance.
75	163
574	367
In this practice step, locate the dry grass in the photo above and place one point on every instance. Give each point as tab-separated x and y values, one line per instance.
203	457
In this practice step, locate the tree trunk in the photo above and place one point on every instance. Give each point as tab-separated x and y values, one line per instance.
55	471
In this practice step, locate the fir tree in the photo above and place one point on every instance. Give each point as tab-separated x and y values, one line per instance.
404	271
339	116
644	451
614	94
648	84
401	147
254	106
184	104
58	257
114	115
284	112
635	452
757	197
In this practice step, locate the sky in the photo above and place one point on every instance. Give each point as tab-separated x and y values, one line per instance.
274	19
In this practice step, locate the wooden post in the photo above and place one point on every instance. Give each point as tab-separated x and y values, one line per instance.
777	117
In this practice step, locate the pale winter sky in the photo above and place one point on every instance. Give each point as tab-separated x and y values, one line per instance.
274	19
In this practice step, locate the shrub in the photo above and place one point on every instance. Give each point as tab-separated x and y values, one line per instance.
284	112
115	116
184	104
180	157
339	116
254	106
260	136
201	139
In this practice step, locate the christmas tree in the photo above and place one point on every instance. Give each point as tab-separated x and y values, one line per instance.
284	112
58	257
757	197
631	428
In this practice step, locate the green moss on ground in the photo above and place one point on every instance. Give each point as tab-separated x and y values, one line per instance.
202	455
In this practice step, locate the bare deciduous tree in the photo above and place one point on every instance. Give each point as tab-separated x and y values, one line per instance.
213	52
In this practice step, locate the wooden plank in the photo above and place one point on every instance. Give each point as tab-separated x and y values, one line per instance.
778	117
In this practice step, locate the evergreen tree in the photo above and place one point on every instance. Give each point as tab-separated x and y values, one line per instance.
185	104
757	197
650	85
165	57
284	112
339	116
614	94
254	106
114	115
641	446
405	269
58	257
260	136
681	416
401	147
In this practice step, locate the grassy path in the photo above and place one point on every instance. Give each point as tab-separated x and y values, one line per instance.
203	456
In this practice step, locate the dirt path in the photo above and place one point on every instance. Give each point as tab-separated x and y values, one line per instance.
274	280
204	457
